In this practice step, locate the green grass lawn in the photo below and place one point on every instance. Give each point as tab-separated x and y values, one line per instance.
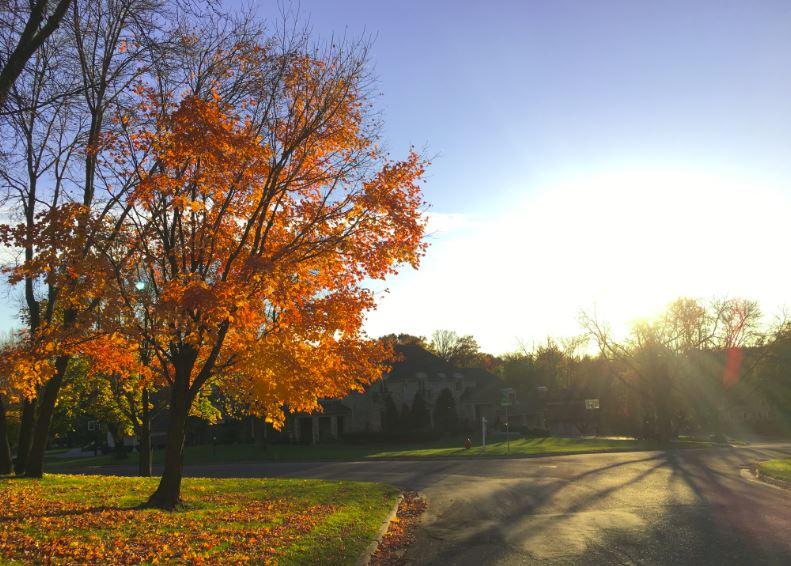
519	446
779	469
93	520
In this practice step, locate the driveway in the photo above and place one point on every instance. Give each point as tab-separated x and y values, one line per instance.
675	507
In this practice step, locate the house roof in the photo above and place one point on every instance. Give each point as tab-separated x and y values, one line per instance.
414	359
334	407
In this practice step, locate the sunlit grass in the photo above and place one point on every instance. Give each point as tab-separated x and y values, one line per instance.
779	469
534	446
94	520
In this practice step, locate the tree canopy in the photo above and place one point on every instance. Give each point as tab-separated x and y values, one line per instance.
220	199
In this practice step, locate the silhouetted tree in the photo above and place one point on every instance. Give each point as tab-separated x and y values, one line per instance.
649	365
461	351
405	418
390	416
419	417
446	418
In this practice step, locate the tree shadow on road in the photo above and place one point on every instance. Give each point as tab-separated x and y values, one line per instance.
664	508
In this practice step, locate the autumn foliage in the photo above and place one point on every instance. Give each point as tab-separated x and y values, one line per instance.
236	203
247	243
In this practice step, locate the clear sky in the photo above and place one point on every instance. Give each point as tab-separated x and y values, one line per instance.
599	155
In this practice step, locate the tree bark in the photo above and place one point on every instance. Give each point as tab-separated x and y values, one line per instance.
35	459
6	463
25	434
144	466
168	493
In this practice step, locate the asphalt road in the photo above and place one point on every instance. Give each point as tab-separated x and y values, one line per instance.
692	507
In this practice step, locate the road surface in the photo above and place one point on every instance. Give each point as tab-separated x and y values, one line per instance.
692	507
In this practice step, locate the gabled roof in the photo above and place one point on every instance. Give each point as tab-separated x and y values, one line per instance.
334	407
414	359
482	377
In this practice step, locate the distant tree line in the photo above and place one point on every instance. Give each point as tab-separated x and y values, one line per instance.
700	367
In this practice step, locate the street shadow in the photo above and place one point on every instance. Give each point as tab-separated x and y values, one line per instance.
705	515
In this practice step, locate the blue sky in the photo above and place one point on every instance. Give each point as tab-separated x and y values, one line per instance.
510	94
599	155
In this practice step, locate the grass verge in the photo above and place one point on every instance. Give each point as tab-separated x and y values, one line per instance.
93	520
453	447
779	469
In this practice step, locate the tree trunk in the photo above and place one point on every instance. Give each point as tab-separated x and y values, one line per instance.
6	463
168	494
144	432
663	402
25	434
35	459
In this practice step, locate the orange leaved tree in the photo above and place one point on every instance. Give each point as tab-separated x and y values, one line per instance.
262	204
59	185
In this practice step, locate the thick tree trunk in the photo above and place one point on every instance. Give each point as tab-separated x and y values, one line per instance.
25	434
144	433
168	494
6	463
46	408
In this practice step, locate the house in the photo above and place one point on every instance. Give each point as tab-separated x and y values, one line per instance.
416	369
476	393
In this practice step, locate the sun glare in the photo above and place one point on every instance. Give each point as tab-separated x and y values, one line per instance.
623	244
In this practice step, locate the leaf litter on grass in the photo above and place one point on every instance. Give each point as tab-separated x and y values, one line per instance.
38	525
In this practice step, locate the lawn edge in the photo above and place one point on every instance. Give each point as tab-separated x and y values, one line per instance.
370	550
125	467
769	479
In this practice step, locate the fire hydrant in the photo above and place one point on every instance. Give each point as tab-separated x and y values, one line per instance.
468	444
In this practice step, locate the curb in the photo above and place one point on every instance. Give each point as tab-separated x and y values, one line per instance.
765	479
365	557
